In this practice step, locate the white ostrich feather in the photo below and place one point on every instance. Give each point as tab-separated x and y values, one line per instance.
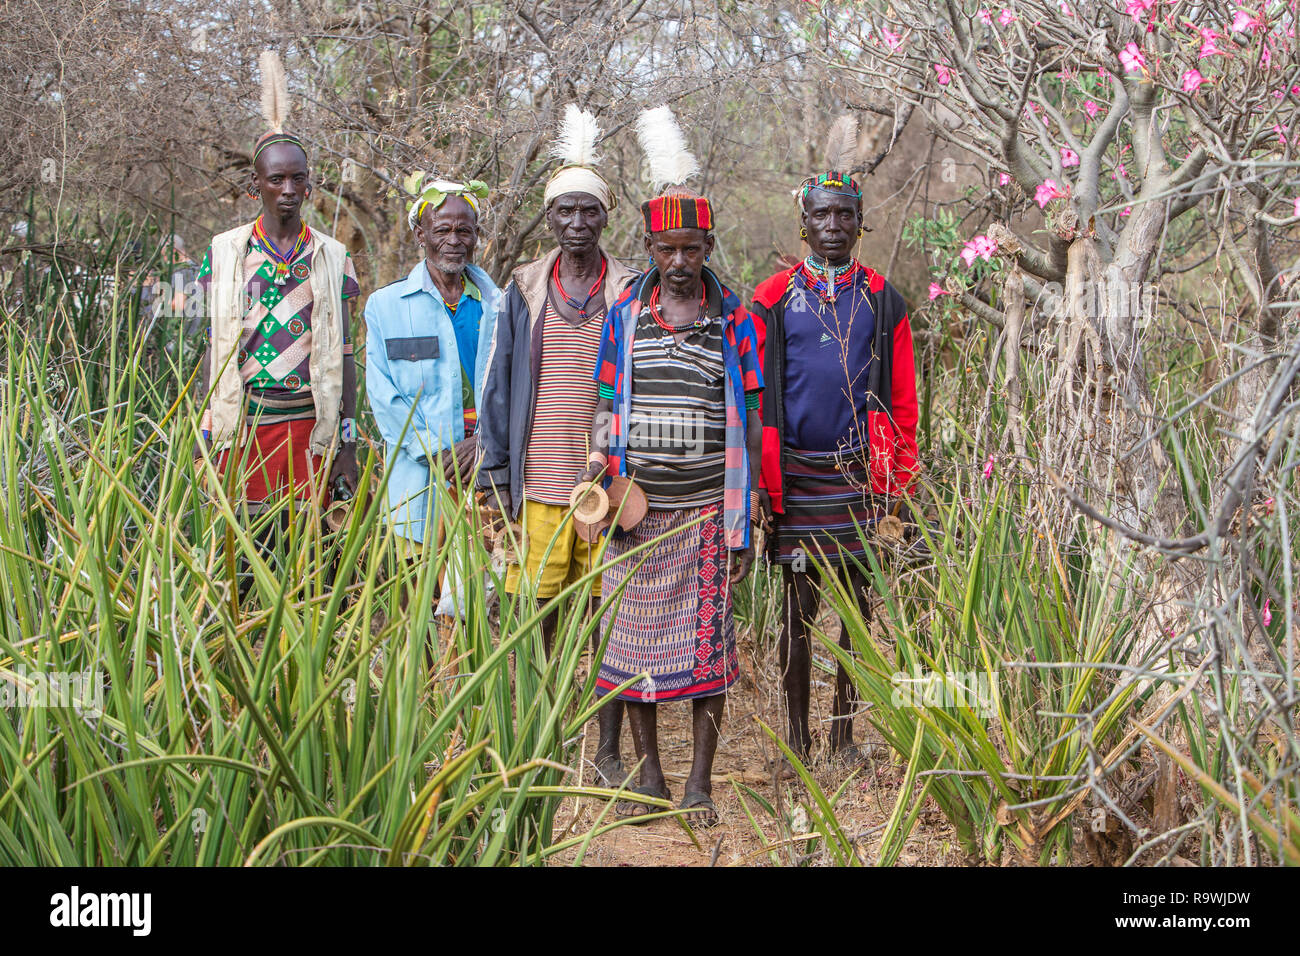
669	158
275	91
842	143
576	142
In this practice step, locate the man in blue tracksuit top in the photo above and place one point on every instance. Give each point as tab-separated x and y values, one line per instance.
428	338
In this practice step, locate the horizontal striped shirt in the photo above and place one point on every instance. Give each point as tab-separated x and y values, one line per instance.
676	437
558	444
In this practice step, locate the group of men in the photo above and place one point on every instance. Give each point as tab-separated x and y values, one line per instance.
796	414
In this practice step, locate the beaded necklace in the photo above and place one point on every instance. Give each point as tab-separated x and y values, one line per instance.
570	301
268	247
826	280
701	322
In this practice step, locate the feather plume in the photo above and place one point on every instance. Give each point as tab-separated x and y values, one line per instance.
576	142
842	144
669	158
275	91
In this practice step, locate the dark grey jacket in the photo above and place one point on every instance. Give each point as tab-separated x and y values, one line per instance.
505	417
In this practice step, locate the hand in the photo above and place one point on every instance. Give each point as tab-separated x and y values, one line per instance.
345	465
738	564
593	472
499	500
763	517
466	452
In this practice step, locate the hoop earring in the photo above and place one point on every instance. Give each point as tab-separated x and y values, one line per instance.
803	233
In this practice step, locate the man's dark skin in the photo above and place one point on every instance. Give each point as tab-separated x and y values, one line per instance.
679	255
448	236
576	220
282	180
832	221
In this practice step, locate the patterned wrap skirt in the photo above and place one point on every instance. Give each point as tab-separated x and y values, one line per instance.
674	619
825	494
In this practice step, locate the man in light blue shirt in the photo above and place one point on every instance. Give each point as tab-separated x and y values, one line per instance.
428	338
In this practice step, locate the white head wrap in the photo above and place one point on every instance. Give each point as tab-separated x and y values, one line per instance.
579	179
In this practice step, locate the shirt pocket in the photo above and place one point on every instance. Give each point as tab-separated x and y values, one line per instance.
413	361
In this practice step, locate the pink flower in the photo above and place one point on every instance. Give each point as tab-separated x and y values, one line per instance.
1208	48
1126	211
1208	33
1281	134
1297	206
1243	22
1139	8
1046	192
1192	80
1069	157
1065	8
937	290
944	73
979	247
1266	615
1091	108
1005	17
892	40
1132	59
1278	94
988	468
1005	178
985	16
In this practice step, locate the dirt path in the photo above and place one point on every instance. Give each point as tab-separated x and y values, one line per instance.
744	753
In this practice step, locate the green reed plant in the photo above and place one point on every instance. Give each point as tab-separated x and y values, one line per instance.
268	693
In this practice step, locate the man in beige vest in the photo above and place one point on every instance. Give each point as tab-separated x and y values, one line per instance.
279	373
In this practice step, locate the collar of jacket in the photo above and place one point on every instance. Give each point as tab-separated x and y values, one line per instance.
531	280
414	282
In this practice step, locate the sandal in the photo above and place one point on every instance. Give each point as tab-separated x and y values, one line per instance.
630	808
704	814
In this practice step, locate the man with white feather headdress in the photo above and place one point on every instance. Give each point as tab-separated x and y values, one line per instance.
678	413
839	423
279	368
540	396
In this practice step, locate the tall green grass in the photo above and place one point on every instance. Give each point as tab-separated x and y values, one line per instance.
319	719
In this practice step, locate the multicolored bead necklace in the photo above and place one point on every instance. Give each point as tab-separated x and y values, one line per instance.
826	280
268	247
573	303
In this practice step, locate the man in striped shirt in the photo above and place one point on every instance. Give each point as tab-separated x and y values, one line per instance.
539	399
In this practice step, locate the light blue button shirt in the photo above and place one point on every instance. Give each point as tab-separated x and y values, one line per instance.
413	385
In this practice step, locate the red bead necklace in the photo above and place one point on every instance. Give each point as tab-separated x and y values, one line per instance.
570	301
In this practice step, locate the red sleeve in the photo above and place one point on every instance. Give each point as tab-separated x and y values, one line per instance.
769	478
903	396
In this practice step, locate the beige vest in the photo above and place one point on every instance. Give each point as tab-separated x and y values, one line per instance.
226	406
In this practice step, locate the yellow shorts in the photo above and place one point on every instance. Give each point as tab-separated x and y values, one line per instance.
570	557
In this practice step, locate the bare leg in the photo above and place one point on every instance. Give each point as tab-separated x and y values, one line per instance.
706	721
645	738
795	653
846	693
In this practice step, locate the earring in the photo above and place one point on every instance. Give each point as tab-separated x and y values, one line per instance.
860	232
803	233
307	193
